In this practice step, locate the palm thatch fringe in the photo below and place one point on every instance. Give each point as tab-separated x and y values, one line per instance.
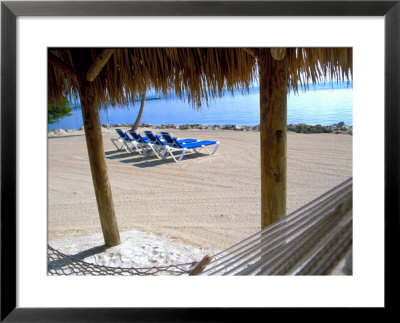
199	73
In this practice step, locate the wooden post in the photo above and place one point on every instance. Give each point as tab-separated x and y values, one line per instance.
94	142
200	266
273	115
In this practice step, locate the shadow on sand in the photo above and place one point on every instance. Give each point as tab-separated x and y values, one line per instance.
142	161
59	263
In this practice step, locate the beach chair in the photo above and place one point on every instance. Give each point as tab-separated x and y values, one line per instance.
120	139
170	141
161	144
145	143
126	142
156	140
184	147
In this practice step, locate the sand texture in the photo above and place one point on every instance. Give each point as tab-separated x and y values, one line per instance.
209	202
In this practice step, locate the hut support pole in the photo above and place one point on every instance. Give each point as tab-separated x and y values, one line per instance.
273	115
94	142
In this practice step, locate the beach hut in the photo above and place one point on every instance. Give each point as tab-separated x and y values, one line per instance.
99	76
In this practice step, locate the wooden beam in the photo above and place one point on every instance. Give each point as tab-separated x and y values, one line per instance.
200	266
98	64
278	53
251	51
68	70
94	141
273	115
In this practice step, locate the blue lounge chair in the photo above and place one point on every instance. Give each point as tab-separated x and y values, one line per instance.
161	144
184	147
169	139
156	140
145	142
126	142
120	139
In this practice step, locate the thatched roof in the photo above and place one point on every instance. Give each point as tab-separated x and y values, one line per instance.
200	73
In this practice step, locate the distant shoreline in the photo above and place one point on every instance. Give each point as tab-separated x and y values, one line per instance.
298	128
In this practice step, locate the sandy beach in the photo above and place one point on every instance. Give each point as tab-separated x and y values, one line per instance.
206	202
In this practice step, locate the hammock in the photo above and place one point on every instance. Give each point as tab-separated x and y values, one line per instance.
309	241
59	264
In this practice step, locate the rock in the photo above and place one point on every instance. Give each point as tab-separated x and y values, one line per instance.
350	131
228	127
184	127
318	129
59	132
305	128
168	126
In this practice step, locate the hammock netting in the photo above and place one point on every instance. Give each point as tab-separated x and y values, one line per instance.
62	264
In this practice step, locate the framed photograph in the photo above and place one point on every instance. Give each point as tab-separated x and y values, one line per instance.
29	28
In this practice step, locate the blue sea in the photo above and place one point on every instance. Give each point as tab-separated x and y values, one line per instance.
323	104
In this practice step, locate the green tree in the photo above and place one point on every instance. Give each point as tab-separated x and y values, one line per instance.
58	111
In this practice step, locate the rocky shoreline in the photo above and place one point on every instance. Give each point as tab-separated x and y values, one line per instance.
339	128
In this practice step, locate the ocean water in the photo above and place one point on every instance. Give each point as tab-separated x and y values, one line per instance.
323	104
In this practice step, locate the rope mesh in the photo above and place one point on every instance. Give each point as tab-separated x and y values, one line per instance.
62	264
309	241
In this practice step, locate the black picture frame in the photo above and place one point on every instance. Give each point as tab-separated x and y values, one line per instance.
10	10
